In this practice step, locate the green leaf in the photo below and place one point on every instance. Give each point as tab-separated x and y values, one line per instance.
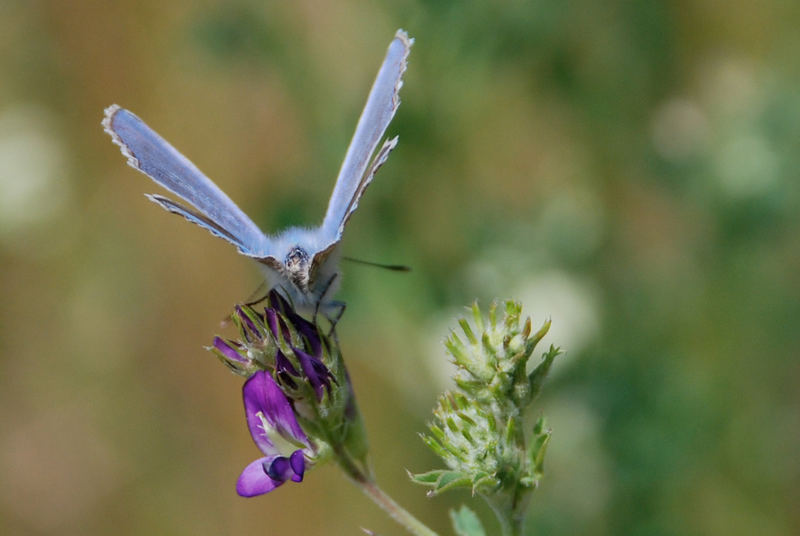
441	480
476	315
513	312
467	329
540	426
466	523
536	378
452	479
538	447
428	478
483	481
492	314
355	436
533	341
434	445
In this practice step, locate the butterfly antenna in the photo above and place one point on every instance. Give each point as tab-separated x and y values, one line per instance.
392	267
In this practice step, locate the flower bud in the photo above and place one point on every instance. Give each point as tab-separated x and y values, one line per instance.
479	429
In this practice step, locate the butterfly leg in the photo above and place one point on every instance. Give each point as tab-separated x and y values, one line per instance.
341	306
258	295
325	290
330	305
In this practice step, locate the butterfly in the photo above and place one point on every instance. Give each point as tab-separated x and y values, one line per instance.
302	261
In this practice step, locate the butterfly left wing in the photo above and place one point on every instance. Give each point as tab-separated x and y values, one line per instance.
152	155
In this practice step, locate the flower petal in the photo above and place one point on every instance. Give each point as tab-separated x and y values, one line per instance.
279	469
284	370
298	464
271	320
255	481
277	325
248	327
277	301
284	366
226	348
315	370
262	395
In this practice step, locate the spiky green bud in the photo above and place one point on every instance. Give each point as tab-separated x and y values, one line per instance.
479	429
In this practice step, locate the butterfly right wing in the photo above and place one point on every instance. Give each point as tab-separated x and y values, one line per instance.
357	171
152	155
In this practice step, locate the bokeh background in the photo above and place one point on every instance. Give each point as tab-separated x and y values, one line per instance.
628	169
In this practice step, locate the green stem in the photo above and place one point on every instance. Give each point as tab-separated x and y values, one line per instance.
503	517
395	511
516	524
365	480
510	511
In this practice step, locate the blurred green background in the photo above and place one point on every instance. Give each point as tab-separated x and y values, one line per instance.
629	169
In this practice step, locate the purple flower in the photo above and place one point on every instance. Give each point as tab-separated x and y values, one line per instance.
277	434
317	373
298	401
284	370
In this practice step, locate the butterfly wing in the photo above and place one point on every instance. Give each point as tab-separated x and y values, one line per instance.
357	171
152	155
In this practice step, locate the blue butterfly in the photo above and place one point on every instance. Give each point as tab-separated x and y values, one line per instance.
303	261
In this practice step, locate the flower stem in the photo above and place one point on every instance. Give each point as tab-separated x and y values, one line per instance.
510	513
395	511
368	485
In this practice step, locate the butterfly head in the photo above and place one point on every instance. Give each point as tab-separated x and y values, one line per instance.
304	266
298	268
